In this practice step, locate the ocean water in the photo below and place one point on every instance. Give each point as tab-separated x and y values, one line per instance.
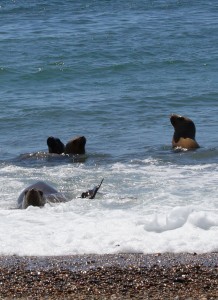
112	71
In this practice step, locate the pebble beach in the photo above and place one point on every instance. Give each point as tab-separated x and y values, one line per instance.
122	276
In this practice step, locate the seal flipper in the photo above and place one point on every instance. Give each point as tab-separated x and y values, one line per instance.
92	193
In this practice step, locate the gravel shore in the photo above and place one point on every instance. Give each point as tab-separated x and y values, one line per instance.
124	276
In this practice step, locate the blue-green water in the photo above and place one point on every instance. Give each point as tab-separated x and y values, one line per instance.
113	72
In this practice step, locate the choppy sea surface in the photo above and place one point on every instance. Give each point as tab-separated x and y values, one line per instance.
112	71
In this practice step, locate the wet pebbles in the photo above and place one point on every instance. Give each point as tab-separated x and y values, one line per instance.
123	276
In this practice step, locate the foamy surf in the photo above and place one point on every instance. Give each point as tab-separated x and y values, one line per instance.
72	229
142	207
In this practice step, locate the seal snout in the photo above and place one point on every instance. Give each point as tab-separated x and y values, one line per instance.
82	140
33	197
174	118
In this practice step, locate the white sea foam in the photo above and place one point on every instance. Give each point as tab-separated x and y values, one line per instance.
142	207
59	230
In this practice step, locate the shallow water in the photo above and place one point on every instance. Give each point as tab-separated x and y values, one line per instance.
112	72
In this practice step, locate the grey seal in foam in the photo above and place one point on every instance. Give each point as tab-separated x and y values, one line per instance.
184	132
38	194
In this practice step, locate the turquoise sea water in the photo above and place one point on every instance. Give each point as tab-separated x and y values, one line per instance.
113	72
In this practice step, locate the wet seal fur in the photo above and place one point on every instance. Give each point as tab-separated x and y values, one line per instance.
38	194
184	134
74	146
55	145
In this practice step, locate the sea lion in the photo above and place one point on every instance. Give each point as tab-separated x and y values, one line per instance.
76	146
55	145
184	134
38	194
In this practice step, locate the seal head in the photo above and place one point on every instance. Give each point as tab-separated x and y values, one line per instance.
55	145
184	132
33	197
76	146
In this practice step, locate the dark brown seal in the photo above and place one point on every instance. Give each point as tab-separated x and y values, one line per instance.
55	145
76	146
184	134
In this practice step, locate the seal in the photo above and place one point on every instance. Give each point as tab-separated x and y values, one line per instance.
55	145
184	132
76	146
38	194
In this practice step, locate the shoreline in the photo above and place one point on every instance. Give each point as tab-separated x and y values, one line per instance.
110	276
